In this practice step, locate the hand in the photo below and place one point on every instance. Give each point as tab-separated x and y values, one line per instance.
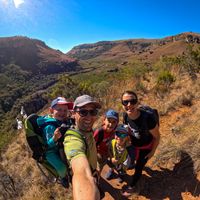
114	161
57	135
96	176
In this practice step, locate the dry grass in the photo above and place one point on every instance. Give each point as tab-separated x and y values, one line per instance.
186	140
28	179
180	127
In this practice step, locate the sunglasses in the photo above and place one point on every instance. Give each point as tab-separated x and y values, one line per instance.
131	101
84	112
121	135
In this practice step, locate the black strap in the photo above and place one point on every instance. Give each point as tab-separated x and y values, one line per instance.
125	118
100	136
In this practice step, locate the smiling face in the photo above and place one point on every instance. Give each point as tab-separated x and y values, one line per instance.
85	117
121	141
110	124
130	104
59	112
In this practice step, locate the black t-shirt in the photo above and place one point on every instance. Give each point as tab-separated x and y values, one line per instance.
140	127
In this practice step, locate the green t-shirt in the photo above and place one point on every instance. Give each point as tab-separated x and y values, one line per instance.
75	147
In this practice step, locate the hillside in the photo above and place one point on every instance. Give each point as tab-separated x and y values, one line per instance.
117	54
34	56
166	77
27	68
172	174
133	47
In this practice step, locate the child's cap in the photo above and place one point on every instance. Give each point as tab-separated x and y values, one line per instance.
112	114
122	131
60	101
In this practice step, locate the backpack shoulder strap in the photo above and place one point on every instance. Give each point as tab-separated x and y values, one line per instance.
77	134
100	136
125	118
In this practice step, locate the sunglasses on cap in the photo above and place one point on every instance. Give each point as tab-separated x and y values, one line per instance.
85	112
121	135
131	101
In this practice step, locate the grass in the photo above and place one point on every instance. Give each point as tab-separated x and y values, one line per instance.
108	87
188	140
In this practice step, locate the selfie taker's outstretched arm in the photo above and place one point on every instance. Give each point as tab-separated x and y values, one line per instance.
84	186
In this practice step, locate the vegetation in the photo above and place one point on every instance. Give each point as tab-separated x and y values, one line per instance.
165	78
171	78
18	88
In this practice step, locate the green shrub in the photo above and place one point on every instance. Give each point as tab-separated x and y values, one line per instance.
165	78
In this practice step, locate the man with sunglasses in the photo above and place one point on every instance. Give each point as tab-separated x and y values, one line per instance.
80	148
144	135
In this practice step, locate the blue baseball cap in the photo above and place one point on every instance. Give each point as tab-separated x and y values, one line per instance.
122	131
60	101
112	114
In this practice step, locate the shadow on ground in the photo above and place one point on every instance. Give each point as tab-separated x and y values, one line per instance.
162	183
171	183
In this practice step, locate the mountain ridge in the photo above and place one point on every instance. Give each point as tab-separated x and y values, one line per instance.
105	49
175	94
34	55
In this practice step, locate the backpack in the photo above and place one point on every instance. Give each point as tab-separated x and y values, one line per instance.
34	135
100	136
147	109
152	111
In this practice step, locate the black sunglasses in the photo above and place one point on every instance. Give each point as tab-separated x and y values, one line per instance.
84	112
131	101
121	135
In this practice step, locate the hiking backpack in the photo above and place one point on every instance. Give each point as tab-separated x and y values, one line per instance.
147	109
34	135
152	111
100	136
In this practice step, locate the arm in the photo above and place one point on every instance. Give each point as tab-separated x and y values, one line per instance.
156	139
111	154
52	135
84	186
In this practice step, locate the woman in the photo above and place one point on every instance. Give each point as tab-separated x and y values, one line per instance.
144	134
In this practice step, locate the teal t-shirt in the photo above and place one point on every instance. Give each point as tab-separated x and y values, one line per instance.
48	130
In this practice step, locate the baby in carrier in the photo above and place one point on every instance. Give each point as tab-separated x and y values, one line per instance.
52	136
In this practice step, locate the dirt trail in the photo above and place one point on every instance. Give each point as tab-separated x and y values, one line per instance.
173	183
157	183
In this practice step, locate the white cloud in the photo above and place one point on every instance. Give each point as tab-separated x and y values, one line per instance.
5	2
17	3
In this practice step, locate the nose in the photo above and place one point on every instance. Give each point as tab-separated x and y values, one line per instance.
129	103
64	111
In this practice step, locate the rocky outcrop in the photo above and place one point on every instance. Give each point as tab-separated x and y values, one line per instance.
33	103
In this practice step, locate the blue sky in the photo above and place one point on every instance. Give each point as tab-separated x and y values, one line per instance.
62	24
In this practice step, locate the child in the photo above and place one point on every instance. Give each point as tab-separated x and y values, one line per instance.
51	135
119	159
104	135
